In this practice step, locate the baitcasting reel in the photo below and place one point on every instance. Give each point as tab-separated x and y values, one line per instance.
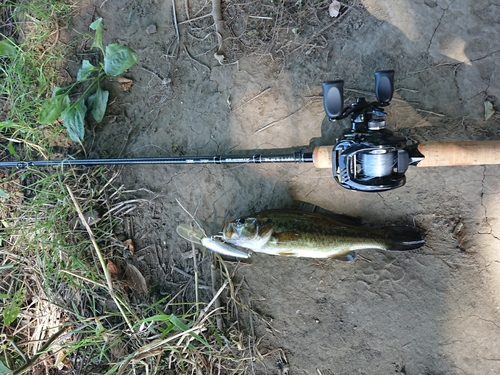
367	157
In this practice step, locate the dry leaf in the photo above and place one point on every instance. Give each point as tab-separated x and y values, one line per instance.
334	9
113	269
62	361
130	245
118	351
458	233
135	279
125	83
488	109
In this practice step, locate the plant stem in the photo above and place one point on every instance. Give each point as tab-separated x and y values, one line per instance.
32	360
89	89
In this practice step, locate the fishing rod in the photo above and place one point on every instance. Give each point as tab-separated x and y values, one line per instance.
368	157
301	156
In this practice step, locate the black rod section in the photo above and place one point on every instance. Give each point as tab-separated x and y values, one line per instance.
296	157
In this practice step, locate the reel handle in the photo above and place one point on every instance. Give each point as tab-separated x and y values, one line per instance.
438	154
333	98
384	86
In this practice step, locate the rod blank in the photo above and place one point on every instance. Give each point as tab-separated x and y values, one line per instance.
296	157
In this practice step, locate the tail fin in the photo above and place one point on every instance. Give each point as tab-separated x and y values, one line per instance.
403	238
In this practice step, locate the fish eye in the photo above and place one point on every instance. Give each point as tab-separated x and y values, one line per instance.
239	223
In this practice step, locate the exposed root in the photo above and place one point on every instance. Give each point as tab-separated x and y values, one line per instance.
219	24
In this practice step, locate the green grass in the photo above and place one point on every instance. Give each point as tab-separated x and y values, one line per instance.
29	76
60	306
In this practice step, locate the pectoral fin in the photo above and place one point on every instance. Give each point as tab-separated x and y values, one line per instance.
288	253
345	257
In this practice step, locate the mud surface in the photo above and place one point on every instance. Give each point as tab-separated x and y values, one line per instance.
432	311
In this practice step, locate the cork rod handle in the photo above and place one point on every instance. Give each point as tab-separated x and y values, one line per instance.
322	157
438	154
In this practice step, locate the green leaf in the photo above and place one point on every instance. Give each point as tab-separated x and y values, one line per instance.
98	102
178	323
4	370
183	327
8	48
58	91
53	108
85	71
118	58
4	194
11	149
73	118
157	318
11	312
97	27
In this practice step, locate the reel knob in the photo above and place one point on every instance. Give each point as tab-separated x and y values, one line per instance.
333	98
384	86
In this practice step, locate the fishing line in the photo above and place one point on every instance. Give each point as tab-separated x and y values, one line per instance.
376	163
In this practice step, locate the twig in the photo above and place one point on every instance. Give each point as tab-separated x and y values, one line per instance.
191	216
218	318
196	292
55	41
184	273
38	148
214	299
90	281
187	8
175	20
195	19
162	80
219	25
255	97
430	112
277	121
251	335
261	17
196	61
100	256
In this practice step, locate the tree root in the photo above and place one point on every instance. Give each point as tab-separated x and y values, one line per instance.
220	29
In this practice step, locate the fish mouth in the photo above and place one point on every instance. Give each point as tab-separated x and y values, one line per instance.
235	231
228	232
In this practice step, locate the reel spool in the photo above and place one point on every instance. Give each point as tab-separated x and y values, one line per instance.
367	157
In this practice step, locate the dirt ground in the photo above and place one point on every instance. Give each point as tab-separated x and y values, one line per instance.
432	311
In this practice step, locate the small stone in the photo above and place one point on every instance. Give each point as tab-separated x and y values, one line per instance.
334	9
151	29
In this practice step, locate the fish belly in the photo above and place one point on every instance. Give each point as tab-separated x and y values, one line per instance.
310	249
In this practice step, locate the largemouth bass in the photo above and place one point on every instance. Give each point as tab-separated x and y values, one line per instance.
315	235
